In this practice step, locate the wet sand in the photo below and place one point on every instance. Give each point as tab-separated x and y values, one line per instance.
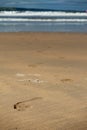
43	81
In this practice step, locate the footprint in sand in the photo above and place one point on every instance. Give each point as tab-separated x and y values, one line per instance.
33	65
66	80
39	51
21	106
61	57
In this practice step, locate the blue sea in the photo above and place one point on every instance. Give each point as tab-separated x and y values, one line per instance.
43	16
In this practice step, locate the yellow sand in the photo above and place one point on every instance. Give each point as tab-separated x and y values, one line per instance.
43	81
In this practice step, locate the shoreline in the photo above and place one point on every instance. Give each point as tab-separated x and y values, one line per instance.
46	32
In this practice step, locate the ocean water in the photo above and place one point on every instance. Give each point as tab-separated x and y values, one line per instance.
43	16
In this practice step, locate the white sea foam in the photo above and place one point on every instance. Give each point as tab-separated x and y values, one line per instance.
42	20
48	16
42	13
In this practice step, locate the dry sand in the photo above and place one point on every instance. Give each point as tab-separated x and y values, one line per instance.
43	81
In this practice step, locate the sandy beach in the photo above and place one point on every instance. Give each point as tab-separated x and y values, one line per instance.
43	81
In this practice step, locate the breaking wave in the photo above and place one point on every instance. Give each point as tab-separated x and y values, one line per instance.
43	20
42	13
22	14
